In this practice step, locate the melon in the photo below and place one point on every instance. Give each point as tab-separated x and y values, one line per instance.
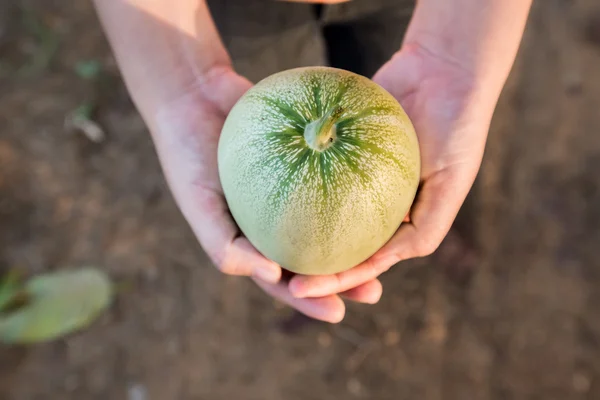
319	166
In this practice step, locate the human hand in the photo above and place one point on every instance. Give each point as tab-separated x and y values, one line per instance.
450	106
451	120
186	134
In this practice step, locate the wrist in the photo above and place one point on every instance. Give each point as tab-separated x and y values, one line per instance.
479	39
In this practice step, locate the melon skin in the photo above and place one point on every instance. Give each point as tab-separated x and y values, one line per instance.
318	212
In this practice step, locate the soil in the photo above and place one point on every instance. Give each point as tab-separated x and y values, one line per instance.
507	308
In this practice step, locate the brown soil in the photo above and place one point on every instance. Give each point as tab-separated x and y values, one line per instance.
508	308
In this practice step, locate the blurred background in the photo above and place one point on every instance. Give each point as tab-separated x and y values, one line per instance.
507	308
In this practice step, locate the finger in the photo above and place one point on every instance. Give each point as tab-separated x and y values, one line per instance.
302	286
437	205
406	218
368	293
231	253
328	308
224	87
399	84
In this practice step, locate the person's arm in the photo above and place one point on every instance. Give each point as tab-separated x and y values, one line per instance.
481	37
448	75
164	48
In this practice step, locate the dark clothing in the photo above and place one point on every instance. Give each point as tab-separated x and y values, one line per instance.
267	36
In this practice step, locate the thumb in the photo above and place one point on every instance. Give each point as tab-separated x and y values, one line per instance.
436	206
438	202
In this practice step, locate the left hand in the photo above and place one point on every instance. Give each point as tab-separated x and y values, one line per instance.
451	121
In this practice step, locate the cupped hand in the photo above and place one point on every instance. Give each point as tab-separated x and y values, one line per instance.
186	133
451	119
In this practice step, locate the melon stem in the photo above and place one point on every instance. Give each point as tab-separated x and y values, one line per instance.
320	134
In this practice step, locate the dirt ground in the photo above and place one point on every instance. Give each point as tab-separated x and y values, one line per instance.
508	308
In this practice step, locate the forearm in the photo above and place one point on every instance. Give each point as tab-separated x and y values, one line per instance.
480	37
163	47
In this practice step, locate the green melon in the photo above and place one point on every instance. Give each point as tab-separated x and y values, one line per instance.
319	167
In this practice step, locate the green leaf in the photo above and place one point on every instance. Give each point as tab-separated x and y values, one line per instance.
58	303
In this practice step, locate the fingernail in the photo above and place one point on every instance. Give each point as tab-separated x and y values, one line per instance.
267	273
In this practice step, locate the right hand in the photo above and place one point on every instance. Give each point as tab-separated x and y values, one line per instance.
186	133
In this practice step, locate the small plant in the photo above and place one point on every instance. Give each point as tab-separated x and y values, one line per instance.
51	305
